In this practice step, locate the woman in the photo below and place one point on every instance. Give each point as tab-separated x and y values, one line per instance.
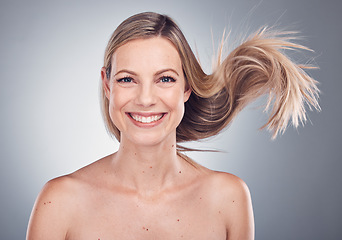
155	95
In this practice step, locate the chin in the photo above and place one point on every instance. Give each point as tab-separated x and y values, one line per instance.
151	138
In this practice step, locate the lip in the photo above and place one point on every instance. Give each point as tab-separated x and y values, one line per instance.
146	116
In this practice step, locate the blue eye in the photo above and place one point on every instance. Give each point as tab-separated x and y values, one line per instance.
166	79
125	80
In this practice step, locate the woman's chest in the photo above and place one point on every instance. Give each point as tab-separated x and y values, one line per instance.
192	216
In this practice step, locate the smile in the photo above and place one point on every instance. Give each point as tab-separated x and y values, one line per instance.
146	119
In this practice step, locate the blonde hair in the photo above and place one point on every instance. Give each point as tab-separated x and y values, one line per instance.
256	67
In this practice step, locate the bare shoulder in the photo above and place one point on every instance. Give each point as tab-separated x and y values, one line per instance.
58	185
68	187
57	203
230	185
232	196
52	210
59	189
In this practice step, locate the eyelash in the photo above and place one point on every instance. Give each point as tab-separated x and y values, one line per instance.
129	79
171	79
123	80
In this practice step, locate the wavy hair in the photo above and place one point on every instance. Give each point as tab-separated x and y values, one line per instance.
258	66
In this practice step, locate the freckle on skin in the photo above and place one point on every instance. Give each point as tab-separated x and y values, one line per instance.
143	171
173	145
150	166
219	212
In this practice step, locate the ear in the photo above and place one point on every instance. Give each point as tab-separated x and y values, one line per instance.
187	93
105	82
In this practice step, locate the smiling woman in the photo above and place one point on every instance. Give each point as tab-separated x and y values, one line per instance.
154	96
146	91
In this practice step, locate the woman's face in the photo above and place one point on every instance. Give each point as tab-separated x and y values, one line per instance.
146	90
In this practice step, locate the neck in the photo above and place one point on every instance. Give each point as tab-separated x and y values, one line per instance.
147	169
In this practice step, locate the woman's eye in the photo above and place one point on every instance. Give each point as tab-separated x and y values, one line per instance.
166	79
125	80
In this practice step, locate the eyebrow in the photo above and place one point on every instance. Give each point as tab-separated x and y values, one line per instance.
157	73
125	71
166	70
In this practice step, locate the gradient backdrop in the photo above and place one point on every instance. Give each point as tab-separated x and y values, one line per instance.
51	56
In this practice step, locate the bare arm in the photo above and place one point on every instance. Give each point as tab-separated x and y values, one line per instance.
238	209
50	215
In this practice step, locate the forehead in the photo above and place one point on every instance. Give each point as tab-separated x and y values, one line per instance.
147	54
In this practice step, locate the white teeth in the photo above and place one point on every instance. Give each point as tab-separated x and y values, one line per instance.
149	119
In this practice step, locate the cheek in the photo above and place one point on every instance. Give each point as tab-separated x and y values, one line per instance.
117	101
119	97
175	100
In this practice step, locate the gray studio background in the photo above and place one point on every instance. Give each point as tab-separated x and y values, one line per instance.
51	56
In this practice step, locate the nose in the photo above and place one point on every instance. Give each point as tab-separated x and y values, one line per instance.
146	96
